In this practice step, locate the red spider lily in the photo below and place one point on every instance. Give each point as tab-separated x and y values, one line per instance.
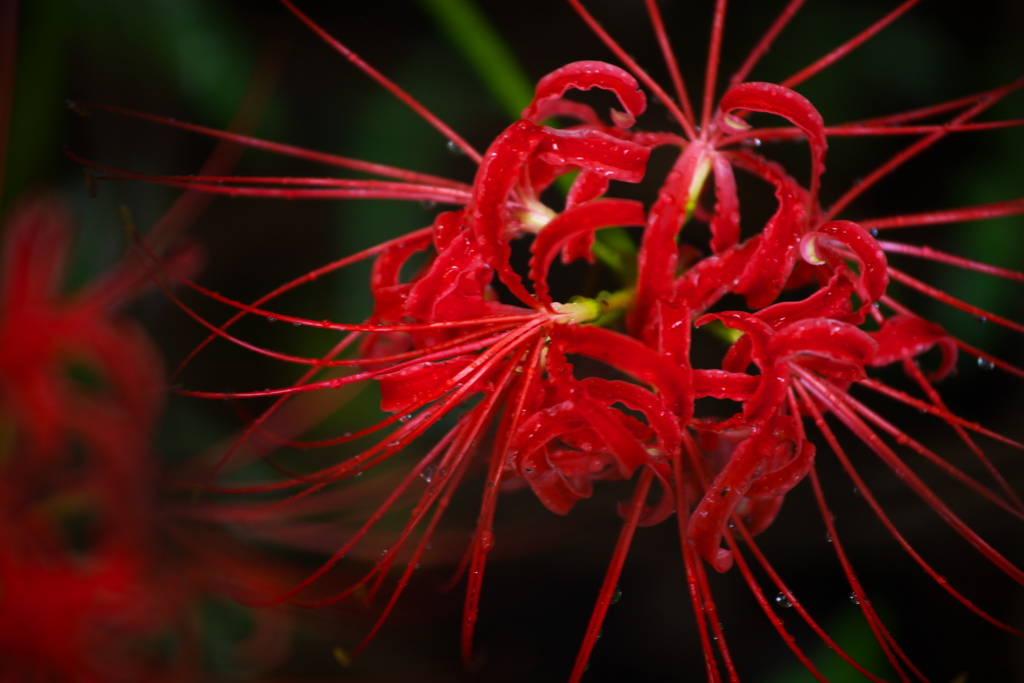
556	396
99	572
82	388
46	337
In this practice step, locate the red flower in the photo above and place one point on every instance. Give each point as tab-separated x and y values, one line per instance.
485	366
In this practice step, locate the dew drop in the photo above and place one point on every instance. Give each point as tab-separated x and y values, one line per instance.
428	473
782	601
854	599
428	203
986	364
405	418
486	541
828	537
454	148
271	319
756	142
392	444
616	595
874	232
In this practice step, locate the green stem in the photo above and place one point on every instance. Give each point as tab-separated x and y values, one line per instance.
473	34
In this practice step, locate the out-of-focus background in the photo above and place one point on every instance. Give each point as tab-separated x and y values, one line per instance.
194	59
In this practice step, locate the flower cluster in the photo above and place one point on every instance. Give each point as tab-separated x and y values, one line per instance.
480	352
102	570
100	566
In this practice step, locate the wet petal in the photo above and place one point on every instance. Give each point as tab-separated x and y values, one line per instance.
584	76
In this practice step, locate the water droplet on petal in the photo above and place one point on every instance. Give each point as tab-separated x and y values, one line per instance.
986	364
616	595
453	148
828	538
854	599
782	601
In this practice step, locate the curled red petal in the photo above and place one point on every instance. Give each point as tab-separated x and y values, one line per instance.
779	481
566	108
548	482
707	523
456	286
725	225
628	355
584	76
732	386
873	276
769	267
790	105
595	151
756	331
412	386
587	186
832	300
635	397
834	340
488	213
658	257
579	221
904	337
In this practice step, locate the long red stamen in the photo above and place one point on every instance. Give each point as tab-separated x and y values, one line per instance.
388	84
847	47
